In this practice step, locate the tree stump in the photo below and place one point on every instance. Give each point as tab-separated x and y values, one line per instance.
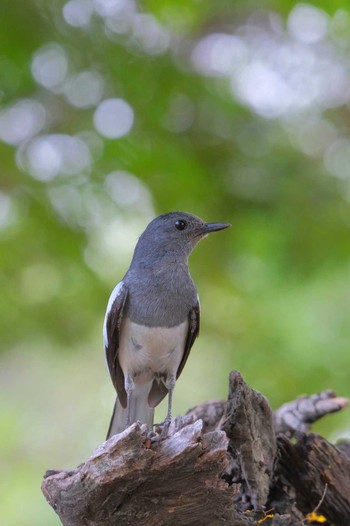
223	463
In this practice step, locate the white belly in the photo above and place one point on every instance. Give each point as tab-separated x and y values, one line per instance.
145	352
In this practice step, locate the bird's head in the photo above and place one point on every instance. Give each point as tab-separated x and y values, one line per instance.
175	233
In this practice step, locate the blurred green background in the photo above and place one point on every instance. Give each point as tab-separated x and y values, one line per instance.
113	111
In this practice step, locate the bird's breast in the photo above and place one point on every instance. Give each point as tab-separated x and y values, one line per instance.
149	351
161	301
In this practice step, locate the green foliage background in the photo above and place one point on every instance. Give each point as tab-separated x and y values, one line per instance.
274	289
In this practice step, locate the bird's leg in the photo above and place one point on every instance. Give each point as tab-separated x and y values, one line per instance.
170	402
169	384
167	420
129	387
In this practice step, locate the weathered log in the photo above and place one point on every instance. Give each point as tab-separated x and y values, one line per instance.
320	475
128	479
344	447
210	412
221	464
291	418
296	416
248	425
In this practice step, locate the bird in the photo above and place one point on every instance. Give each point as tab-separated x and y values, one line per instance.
152	319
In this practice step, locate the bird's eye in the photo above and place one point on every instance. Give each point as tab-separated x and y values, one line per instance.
180	224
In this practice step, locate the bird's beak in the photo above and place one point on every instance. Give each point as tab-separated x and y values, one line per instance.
214	227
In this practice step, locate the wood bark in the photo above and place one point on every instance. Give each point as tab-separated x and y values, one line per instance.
316	469
223	463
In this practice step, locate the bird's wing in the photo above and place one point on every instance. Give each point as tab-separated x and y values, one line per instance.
193	331
111	333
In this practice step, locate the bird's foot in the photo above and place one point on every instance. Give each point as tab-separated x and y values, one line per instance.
161	430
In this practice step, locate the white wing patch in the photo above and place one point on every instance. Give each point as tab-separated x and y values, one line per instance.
115	293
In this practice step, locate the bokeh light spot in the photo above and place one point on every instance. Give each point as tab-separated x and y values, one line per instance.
84	89
110	8
126	189
307	23
264	88
113	118
337	159
340	27
50	66
122	19
77	13
219	54
47	156
315	135
149	34
21	121
274	73
67	201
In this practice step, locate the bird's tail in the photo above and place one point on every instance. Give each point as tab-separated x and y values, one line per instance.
139	411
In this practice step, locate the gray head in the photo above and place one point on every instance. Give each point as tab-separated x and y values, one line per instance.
174	234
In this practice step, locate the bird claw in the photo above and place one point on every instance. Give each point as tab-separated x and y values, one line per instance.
161	430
